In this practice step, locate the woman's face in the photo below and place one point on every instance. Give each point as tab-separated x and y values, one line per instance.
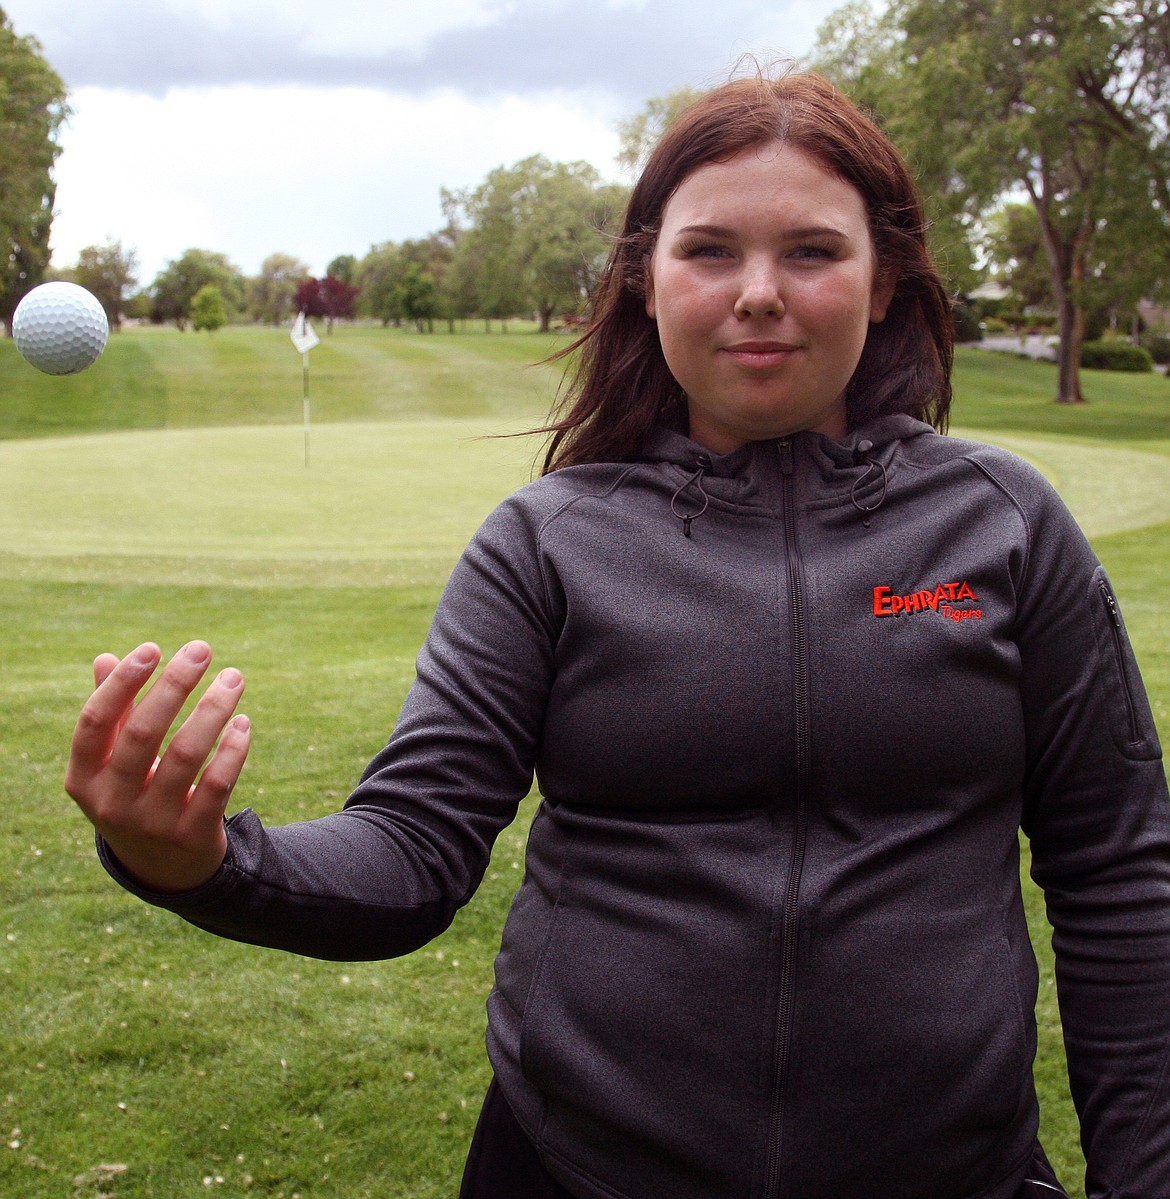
763	283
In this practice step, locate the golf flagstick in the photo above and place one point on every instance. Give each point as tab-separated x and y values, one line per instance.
304	339
305	391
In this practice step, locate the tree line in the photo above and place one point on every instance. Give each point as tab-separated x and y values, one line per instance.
1039	131
531	240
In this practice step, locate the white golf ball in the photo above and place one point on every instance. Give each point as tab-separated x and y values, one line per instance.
60	328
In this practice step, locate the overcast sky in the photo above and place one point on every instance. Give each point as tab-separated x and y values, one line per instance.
317	129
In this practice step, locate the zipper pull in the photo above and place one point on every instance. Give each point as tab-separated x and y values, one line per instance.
1111	604
784	445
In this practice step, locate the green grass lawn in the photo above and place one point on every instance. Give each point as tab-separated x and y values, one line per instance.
159	378
163	494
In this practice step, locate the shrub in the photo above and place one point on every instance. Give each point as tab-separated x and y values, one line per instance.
994	325
966	322
1096	324
1116	356
1157	343
207	309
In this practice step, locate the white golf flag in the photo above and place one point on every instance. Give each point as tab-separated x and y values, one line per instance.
302	334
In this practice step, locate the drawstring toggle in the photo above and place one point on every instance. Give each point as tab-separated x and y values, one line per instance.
861	457
702	466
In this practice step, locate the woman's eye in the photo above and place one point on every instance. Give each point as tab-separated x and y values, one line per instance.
813	253
706	251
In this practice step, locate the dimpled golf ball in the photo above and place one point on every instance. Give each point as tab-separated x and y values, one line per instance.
60	328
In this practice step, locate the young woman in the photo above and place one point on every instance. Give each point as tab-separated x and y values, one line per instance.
793	670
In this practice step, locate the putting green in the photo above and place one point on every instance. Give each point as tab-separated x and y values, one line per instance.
378	503
1109	490
392	502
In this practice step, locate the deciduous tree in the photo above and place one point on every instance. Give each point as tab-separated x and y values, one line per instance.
207	309
1066	101
378	275
417	300
343	267
32	108
109	271
537	234
272	292
639	134
176	284
329	298
1015	250
488	246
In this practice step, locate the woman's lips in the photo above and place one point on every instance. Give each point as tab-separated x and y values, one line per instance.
760	354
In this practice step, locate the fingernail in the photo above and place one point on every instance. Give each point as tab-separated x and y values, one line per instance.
198	652
231	678
240	724
145	655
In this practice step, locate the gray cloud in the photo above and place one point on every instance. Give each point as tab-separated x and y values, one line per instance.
630	52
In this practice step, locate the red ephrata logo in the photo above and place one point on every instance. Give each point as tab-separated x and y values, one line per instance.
941	600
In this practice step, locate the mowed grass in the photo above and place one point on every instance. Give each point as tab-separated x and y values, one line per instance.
163	494
168	498
379	503
159	378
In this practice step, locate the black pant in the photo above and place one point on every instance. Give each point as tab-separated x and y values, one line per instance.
503	1162
1040	1182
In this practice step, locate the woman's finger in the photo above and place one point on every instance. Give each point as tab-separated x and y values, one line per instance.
145	728
195	740
118	683
194	844
210	797
103	666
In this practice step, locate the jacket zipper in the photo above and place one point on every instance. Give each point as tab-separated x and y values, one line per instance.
1119	651
802	750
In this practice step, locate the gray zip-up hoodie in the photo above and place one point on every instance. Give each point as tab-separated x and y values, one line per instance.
789	709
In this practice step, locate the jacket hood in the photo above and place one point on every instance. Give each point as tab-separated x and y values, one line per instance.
883	436
854	470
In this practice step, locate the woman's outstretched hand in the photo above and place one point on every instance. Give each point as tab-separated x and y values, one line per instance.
162	816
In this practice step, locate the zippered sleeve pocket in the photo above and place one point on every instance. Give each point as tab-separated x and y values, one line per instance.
1130	720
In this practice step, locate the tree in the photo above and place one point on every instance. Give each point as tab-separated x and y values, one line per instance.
339	299
109	271
378	275
435	256
329	298
176	284
459	287
536	232
563	242
272	293
343	267
137	306
416	297
207	309
488	259
461	281
32	108
640	134
1015	250
1066	101
390	273
860	49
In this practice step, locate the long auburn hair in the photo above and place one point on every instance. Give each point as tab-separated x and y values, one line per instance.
620	385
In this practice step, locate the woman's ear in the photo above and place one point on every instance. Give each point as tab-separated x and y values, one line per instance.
648	276
884	286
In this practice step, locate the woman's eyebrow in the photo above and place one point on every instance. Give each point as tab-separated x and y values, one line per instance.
801	231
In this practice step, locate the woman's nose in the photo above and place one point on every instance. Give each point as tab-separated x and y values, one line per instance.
759	292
